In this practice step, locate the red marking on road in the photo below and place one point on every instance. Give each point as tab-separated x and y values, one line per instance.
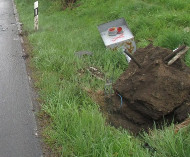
120	36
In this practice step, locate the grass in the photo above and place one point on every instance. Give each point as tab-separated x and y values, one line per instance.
168	143
78	127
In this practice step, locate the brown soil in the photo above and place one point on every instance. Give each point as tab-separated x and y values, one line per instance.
149	94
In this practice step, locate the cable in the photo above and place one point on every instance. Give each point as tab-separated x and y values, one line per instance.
121	100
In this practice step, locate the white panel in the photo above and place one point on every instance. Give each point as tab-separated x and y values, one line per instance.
35	4
109	40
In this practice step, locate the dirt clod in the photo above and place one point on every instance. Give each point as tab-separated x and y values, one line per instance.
152	92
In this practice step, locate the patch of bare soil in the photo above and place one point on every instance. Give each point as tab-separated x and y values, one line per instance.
151	93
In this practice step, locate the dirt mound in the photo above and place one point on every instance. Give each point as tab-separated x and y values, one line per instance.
147	94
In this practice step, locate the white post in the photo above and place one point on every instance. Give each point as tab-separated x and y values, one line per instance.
36	15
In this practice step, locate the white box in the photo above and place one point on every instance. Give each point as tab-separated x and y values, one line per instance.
124	40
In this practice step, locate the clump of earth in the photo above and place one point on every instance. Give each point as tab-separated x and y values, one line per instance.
151	94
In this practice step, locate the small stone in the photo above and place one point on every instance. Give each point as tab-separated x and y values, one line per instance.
187	29
83	53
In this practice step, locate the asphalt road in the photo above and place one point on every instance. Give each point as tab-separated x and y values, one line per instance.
17	121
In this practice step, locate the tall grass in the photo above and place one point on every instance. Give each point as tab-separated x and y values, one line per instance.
78	128
168	143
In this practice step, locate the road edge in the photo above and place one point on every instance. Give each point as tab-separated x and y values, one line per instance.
33	94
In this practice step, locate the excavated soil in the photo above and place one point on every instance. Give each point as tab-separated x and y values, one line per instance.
151	93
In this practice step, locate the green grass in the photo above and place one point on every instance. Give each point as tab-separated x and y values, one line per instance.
168	143
78	128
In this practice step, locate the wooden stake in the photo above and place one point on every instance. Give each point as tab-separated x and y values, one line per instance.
178	56
36	15
174	53
137	63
